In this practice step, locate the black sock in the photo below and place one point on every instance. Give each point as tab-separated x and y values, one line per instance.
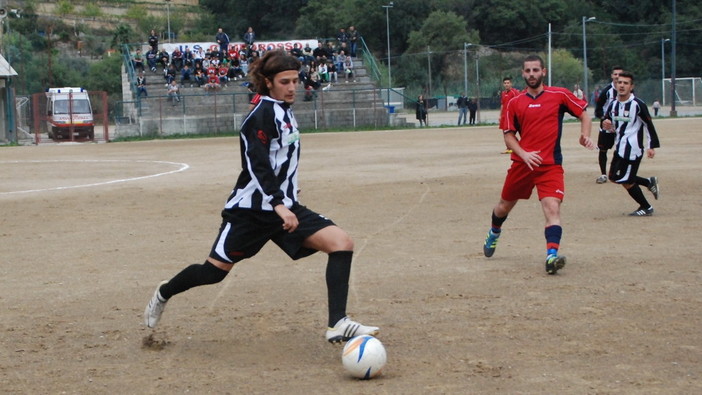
497	222
636	194
602	158
192	276
338	273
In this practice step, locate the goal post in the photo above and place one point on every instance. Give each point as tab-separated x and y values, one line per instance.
688	91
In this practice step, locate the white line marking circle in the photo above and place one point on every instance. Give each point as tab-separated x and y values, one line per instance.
181	167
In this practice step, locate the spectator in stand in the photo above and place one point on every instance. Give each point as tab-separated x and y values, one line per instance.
222	72
296	51
198	55
200	78
319	52
164	59
342	37
173	92
348	69
314	78
345	48
212	83
333	75
244	63
177	58
249	36
141	85
138	60
170	74
341	61
188	57
235	71
304	75
323	72
153	40
308	53
223	40
151	59
186	75
353	41
329	51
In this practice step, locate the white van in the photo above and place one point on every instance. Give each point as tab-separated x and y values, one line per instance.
66	107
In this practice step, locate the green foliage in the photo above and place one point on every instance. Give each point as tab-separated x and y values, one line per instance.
566	69
92	10
122	35
64	7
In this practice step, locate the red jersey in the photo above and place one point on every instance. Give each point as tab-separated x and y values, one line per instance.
505	97
539	121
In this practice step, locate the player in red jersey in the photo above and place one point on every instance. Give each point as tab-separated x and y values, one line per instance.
537	116
508	93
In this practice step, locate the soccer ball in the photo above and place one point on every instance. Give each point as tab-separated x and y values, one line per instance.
364	357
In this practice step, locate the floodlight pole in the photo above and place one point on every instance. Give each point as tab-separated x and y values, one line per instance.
387	24
663	41
585	79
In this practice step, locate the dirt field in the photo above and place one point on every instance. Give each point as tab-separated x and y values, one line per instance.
88	230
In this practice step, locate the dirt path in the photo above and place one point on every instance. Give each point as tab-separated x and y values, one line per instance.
78	264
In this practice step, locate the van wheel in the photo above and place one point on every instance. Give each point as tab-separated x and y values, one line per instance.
91	134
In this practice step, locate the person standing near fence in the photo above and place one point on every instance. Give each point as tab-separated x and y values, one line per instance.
462	104
421	111
264	205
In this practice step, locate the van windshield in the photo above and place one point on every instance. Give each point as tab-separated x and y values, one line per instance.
80	106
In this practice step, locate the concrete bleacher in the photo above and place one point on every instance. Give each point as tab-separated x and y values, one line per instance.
346	104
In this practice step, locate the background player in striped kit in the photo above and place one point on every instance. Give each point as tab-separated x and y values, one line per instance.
605	140
264	206
629	119
537	115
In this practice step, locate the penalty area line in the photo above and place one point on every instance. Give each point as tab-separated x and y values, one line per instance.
181	167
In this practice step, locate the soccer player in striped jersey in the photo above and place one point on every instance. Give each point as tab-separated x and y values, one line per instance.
264	206
605	140
628	118
537	116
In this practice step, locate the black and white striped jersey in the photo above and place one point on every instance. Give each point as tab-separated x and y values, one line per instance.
607	96
632	122
270	151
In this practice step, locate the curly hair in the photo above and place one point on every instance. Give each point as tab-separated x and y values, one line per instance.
270	64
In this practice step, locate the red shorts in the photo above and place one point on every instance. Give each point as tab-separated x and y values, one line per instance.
520	181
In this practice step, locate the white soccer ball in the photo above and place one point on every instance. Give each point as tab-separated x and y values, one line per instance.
364	357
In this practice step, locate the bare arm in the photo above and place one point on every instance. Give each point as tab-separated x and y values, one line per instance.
585	130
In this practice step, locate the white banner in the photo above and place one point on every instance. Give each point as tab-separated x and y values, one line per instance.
261	46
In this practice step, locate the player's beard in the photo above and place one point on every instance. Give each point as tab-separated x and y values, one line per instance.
534	83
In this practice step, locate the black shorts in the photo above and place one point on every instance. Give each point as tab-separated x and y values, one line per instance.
244	232
623	171
605	140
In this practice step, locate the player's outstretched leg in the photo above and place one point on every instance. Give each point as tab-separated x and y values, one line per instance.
153	311
346	328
